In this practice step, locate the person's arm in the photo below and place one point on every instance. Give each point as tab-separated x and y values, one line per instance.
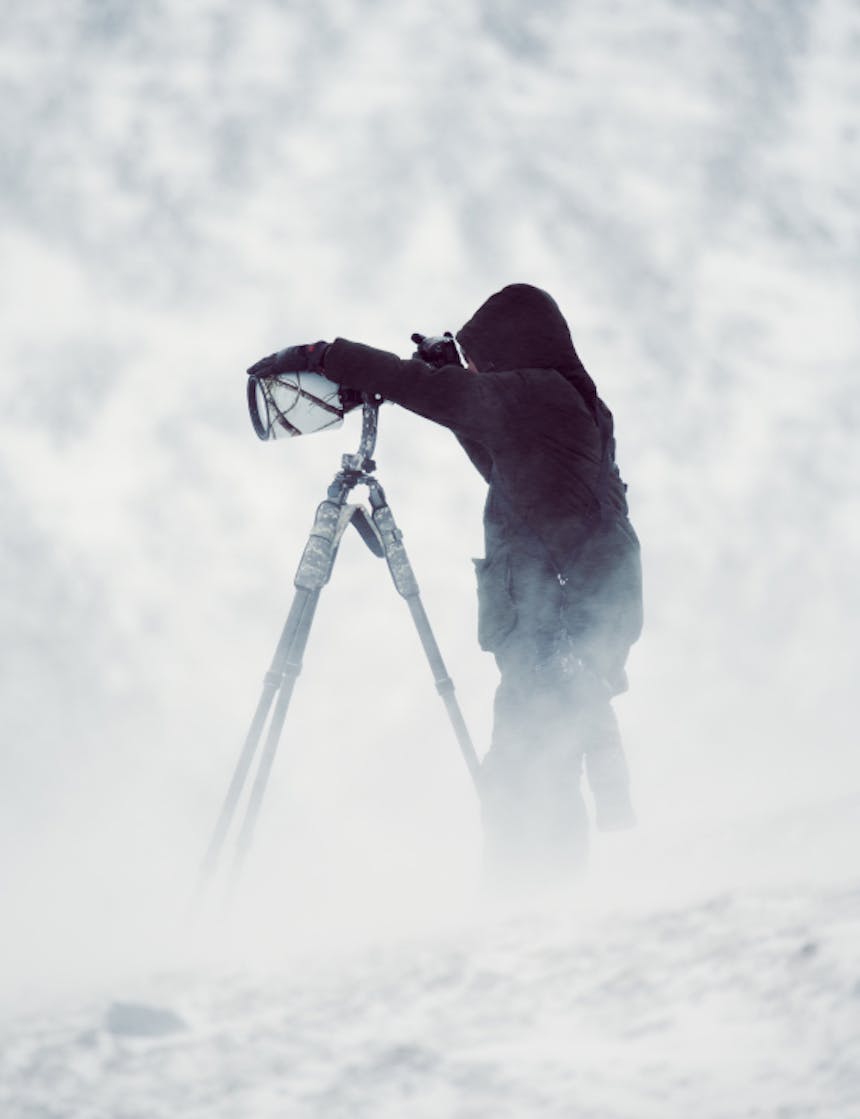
468	403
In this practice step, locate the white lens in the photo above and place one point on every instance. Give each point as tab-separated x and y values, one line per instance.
301	403
262	406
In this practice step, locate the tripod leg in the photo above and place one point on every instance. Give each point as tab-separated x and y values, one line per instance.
444	684
292	668
313	573
271	684
407	586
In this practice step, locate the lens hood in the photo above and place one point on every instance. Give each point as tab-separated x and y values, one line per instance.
289	404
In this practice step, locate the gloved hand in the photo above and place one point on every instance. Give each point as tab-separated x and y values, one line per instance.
294	359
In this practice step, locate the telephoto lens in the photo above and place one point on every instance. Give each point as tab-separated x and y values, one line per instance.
288	404
437	350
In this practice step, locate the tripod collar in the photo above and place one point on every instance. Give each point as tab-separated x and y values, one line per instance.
362	461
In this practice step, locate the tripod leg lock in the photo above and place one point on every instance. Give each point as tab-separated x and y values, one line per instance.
273	680
318	557
395	552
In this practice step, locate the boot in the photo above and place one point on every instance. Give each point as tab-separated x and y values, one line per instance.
609	781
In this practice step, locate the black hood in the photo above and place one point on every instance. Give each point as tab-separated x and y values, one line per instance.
520	327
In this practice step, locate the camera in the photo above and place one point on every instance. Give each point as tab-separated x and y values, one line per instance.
438	350
283	404
287	404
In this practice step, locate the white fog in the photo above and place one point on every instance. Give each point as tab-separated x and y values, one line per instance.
188	187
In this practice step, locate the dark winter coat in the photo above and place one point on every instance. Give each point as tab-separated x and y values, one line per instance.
560	551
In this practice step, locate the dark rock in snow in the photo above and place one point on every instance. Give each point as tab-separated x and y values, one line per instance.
130	1019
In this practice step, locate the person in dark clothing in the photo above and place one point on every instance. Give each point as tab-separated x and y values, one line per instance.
559	586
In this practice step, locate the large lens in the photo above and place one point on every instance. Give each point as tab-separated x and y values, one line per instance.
294	404
259	408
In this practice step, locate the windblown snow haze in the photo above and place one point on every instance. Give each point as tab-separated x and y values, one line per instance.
189	187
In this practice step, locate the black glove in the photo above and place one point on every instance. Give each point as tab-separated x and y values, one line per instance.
294	359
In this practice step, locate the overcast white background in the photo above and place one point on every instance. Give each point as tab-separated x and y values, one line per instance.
188	187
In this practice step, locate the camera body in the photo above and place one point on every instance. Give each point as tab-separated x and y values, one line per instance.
437	350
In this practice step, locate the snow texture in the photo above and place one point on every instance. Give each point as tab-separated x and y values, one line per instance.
748	1005
187	187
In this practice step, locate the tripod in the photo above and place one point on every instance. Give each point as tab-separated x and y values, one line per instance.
380	533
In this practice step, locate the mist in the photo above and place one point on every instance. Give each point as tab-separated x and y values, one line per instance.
187	188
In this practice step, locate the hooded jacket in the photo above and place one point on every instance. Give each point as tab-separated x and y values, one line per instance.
555	521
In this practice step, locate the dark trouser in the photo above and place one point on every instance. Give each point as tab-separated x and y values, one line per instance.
561	644
551	714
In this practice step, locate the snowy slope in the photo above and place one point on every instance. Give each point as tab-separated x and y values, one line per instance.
748	1005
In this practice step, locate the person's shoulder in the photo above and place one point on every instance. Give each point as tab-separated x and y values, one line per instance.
524	378
547	382
542	376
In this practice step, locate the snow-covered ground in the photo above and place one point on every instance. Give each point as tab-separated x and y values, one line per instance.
186	187
718	978
744	1005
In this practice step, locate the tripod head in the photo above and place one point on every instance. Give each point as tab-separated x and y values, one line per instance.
356	470
361	463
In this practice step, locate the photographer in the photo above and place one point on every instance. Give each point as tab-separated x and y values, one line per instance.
559	588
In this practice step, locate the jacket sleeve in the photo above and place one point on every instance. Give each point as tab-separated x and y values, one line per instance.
481	458
456	398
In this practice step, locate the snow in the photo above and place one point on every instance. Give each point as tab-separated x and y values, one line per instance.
189	187
747	1004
